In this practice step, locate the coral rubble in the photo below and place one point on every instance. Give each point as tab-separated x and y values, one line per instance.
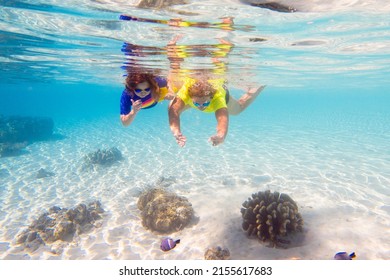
163	211
271	217
217	253
59	224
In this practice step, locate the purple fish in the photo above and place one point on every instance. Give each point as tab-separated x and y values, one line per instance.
344	256
168	244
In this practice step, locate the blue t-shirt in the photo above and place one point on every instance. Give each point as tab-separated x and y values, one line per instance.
147	101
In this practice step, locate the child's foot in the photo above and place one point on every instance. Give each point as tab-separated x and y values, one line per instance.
255	91
249	96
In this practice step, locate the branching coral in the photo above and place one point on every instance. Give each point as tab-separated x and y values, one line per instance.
271	216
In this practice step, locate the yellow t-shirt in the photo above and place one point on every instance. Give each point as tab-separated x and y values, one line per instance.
218	101
163	93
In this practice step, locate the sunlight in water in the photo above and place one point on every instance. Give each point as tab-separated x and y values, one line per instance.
312	76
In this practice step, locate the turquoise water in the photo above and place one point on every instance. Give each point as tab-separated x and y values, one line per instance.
320	131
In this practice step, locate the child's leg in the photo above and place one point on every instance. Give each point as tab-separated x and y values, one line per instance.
235	107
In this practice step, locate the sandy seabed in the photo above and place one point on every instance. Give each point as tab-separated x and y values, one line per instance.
340	182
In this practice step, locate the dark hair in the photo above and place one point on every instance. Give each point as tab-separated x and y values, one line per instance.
133	79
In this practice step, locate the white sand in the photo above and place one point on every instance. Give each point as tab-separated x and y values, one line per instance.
339	180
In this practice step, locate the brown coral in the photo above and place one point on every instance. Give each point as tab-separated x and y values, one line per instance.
59	224
163	211
271	217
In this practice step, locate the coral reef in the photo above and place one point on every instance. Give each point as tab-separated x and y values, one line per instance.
17	132
163	211
217	253
103	157
59	224
17	129
271	217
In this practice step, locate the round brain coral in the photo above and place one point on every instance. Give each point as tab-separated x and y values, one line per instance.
271	217
163	211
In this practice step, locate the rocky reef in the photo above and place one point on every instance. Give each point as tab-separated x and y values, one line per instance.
103	157
163	211
217	253
59	224
271	217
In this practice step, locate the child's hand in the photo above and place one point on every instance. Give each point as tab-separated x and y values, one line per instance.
137	105
180	139
216	140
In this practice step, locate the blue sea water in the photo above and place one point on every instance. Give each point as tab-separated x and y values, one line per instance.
320	131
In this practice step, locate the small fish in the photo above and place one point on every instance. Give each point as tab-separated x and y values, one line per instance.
168	244
344	256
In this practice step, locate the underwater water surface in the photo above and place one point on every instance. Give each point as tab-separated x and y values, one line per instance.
319	132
